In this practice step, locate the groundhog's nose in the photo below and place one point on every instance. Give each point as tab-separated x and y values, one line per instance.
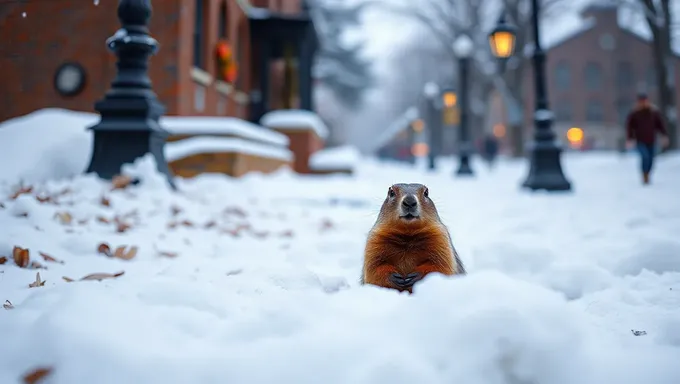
409	202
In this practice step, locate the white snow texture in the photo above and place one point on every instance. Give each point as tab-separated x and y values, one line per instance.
263	283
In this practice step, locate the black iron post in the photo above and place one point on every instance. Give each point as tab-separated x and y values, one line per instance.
130	111
464	143
411	140
432	129
545	172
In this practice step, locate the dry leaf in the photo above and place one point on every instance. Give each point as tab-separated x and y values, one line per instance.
235	211
172	225
22	214
67	279
104	249
8	305
168	254
36	265
103	219
37	282
49	258
44	199
175	210
3	260
187	223
120	182
105	201
121	226
35	376
102	276
21	191
21	257
209	224
64	217
122	254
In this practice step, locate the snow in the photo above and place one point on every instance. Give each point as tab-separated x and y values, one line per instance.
209	125
398	125
295	119
61	136
270	293
176	150
341	157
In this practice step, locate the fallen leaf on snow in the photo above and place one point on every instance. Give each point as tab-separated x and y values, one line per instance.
8	305
209	224
187	223
21	191
121	226
105	201
102	276
44	199
49	258
103	219
38	282
125	255
120	182
235	211
36	375
168	254
21	257
64	217
104	249
175	210
3	260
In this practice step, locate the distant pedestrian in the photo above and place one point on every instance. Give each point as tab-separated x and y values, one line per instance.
490	149
642	125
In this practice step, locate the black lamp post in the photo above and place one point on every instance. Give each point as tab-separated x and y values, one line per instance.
463	48
546	170
130	111
433	122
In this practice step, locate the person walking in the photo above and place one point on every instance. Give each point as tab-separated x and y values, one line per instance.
642	125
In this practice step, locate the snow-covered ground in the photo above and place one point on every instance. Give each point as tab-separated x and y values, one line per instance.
255	280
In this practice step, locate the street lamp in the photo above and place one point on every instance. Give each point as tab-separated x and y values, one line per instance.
545	170
502	39
431	91
463	48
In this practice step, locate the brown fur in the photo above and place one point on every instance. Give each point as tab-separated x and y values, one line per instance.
396	245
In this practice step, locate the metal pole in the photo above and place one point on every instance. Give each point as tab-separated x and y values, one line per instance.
130	111
432	132
464	144
545	172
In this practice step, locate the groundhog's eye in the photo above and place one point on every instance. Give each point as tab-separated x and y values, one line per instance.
391	193
426	193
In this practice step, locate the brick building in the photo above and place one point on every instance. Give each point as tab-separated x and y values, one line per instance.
594	74
594	71
272	41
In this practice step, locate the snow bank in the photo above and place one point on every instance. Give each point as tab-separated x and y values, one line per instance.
54	143
295	119
176	150
344	157
50	143
207	125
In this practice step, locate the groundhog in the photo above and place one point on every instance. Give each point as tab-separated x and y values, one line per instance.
408	241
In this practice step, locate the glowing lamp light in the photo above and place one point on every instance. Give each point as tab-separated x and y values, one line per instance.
499	130
418	125
502	39
420	149
575	135
450	99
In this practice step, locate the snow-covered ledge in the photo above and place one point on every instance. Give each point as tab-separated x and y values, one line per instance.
295	119
222	126
335	160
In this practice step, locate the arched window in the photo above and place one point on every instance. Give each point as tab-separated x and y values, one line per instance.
199	38
223	31
625	75
593	76
562	76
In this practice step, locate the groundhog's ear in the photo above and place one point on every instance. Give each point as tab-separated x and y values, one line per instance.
390	192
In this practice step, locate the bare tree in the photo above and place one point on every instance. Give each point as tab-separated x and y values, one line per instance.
445	20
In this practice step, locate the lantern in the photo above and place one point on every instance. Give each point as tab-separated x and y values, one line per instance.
502	39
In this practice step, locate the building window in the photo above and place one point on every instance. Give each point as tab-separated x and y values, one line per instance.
594	111
562	76
199	97
593	76
625	75
563	111
223	32
623	108
199	46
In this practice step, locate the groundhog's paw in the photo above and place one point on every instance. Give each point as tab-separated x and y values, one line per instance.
404	282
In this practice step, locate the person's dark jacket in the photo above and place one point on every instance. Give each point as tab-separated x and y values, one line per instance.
643	124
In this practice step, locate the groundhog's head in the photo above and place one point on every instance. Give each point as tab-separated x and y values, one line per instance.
409	204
